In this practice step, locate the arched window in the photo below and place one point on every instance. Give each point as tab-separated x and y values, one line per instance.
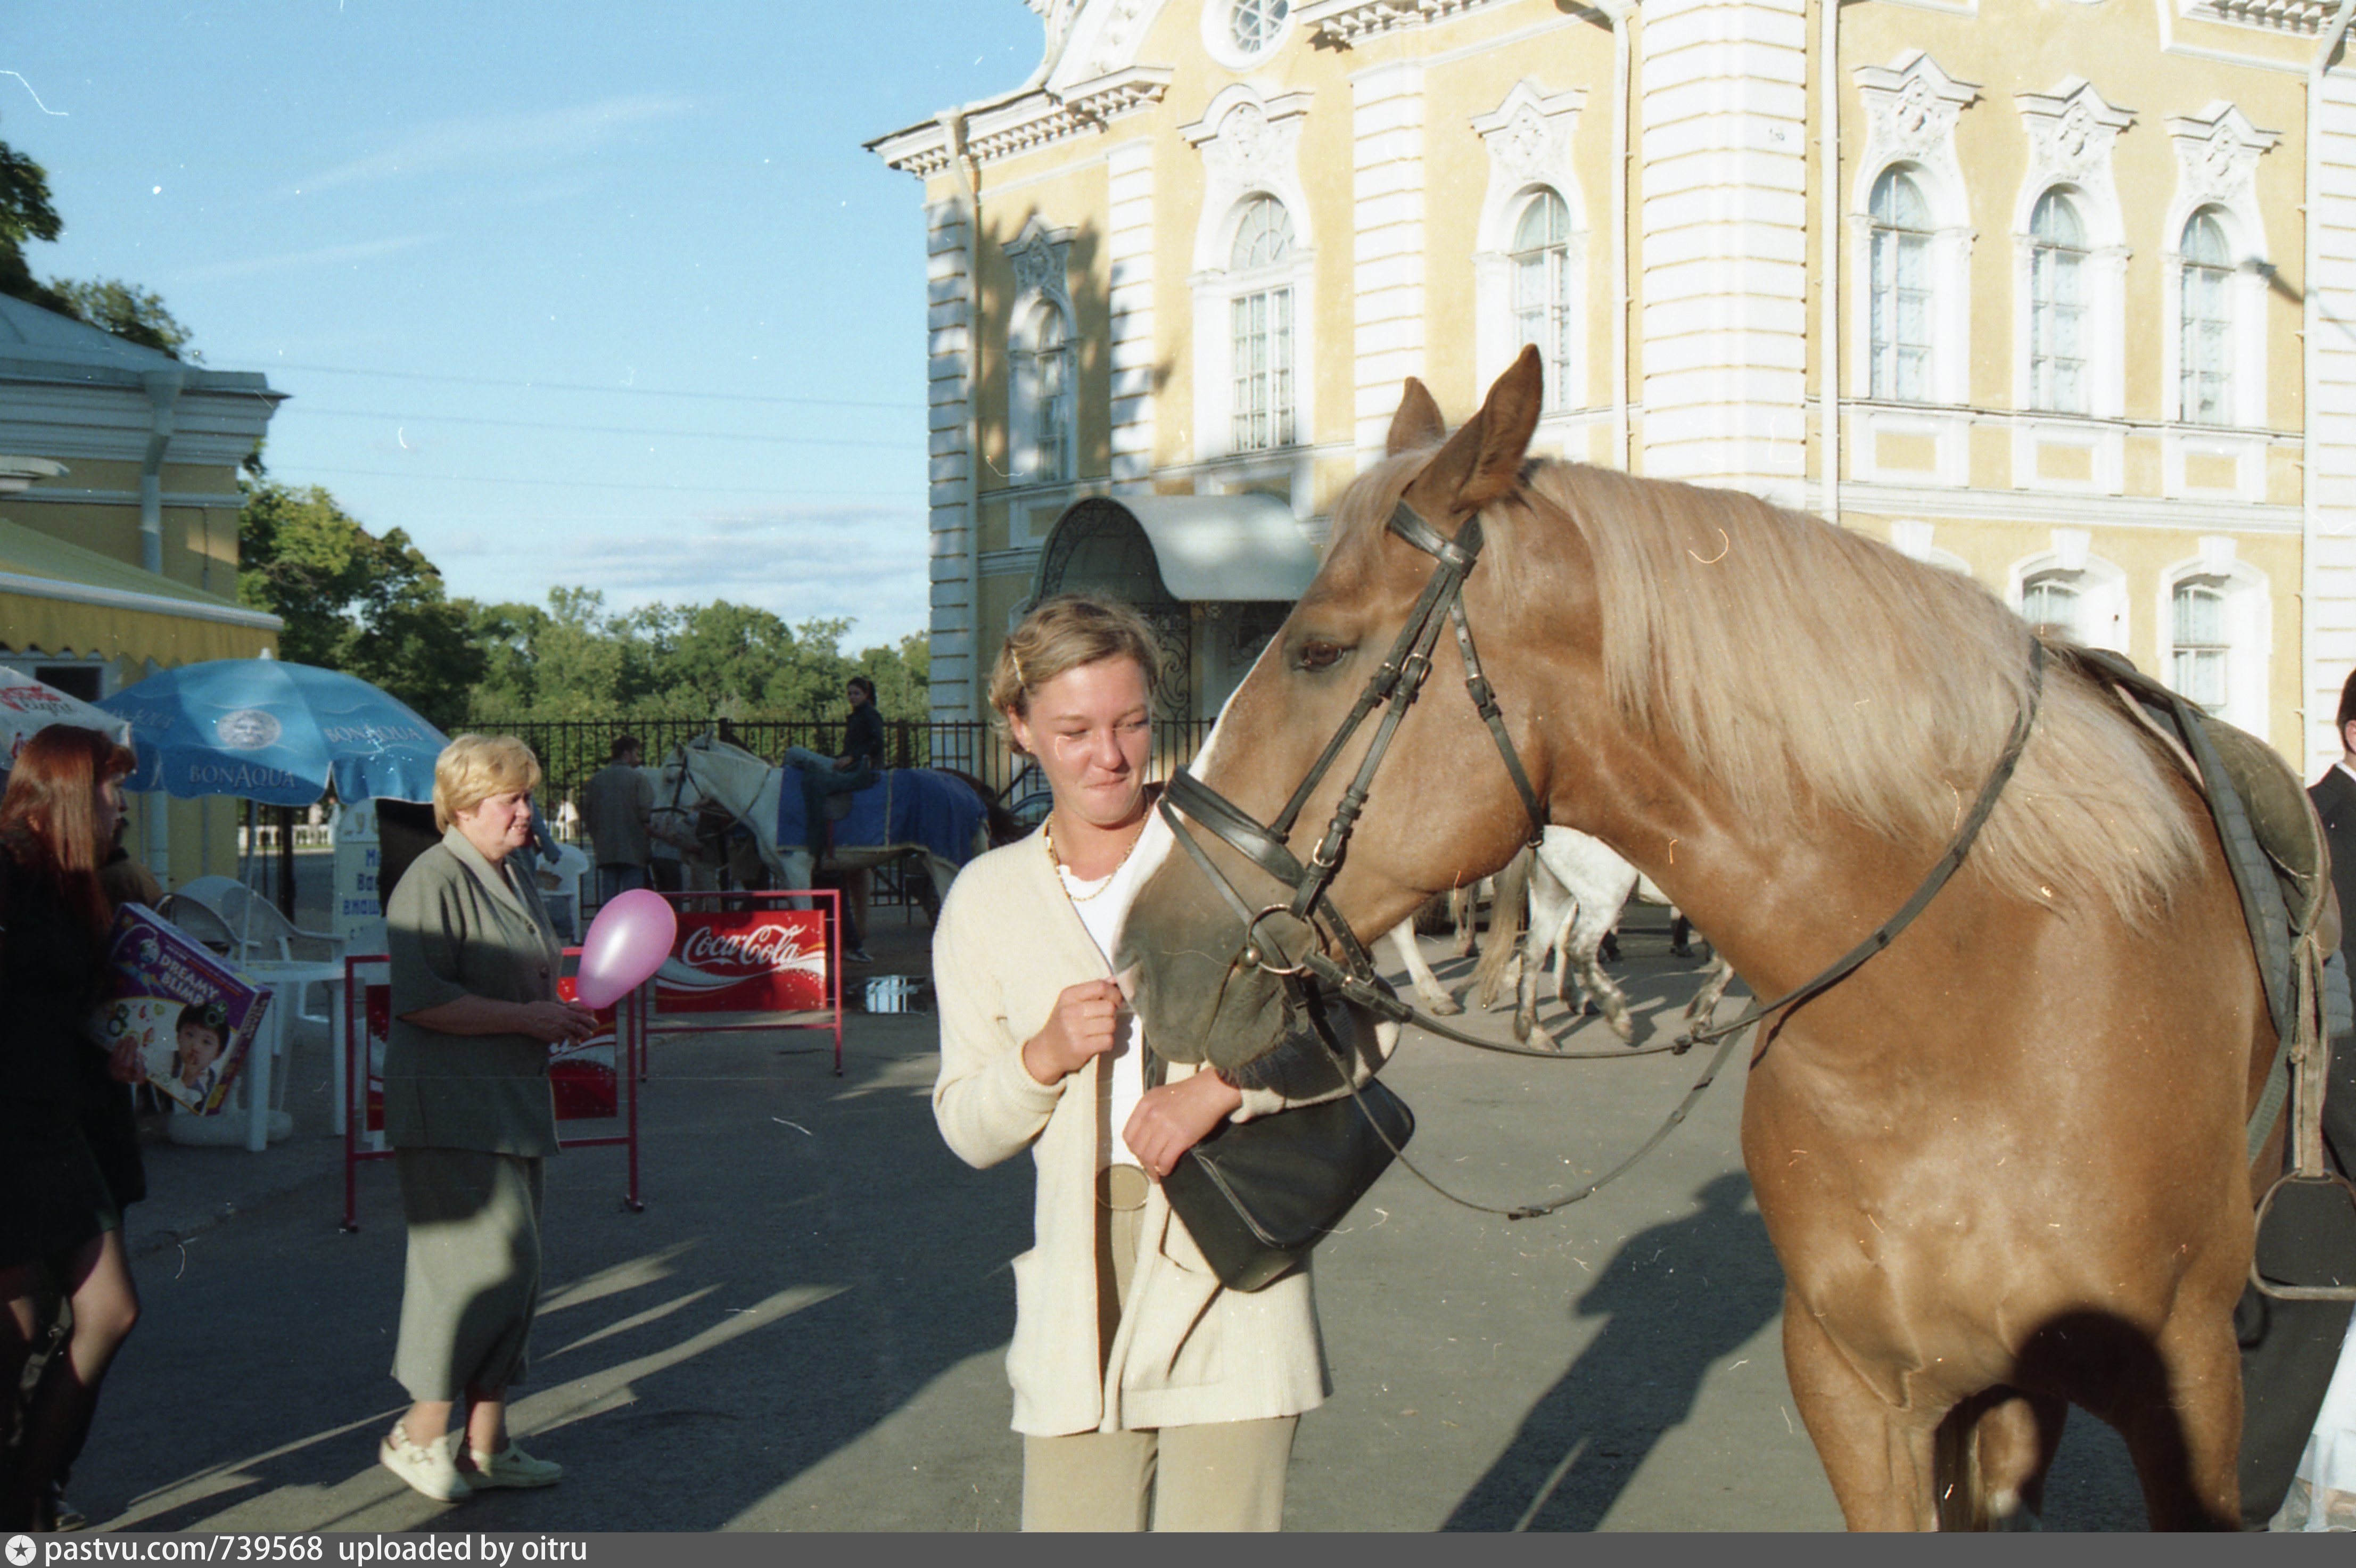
2052	601
1900	261
2057	306
1040	411
1542	302
1261	329
2205	376
2202	643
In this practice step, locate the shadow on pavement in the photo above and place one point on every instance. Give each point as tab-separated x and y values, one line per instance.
811	1259
1677	1297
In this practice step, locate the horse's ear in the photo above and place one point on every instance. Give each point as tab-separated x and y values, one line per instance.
1484	459
1418	423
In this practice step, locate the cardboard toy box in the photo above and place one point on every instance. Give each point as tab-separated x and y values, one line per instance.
193	1016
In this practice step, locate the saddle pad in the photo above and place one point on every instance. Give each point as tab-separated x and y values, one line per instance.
2274	845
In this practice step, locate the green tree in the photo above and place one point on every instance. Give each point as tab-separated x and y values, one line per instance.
129	312
124	309
374	607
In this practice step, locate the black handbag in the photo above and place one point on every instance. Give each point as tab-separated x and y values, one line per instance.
1257	1195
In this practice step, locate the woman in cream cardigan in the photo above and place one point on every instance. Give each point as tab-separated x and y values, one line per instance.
1143	1388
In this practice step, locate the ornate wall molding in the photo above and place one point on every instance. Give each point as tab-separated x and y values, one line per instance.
1911	109
1248	144
1031	120
2217	154
1042	258
2304	18
2071	134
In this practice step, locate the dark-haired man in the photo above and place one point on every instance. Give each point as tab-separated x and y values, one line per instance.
615	808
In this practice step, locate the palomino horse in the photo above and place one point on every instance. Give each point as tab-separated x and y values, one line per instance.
2002	1163
747	788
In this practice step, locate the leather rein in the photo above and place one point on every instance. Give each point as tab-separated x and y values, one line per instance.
1393	687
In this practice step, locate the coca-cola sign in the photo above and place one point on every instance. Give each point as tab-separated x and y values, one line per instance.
746	961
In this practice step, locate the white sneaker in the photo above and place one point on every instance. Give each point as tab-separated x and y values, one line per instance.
430	1468
511	1467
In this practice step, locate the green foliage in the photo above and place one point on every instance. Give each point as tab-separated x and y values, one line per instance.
374	607
110	304
129	312
575	659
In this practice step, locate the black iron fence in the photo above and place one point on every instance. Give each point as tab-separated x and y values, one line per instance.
570	749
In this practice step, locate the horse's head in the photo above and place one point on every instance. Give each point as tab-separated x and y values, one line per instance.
1442	809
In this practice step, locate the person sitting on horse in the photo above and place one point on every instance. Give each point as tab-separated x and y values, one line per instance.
854	770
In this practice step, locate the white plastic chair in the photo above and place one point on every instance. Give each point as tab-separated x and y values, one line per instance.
267	936
200	920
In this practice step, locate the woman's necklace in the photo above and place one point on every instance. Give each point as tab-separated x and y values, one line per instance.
1055	860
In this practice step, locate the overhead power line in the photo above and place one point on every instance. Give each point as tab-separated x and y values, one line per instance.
606	484
270	363
908	443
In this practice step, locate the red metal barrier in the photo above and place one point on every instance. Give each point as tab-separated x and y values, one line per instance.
576	1081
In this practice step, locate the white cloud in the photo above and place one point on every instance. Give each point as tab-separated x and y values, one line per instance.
508	141
290	261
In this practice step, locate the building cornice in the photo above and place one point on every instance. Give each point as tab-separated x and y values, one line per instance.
1028	120
1343	23
2302	18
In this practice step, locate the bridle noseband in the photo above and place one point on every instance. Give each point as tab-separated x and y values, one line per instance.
1393	687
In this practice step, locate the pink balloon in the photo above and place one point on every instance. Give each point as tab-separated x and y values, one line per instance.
628	942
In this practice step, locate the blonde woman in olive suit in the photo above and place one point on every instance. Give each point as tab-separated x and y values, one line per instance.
1144	1389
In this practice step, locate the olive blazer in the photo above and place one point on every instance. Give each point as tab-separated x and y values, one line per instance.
458	926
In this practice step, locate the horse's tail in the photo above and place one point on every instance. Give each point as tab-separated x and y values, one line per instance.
1508	909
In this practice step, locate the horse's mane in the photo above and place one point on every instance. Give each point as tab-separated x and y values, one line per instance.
1811	670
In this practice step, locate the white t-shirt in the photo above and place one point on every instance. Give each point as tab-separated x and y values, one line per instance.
1121	1082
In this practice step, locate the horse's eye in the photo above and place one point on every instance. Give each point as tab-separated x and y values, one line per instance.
1318	653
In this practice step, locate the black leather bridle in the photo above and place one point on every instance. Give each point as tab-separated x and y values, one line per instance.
1394	688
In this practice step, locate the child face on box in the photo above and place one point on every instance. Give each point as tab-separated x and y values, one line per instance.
199	1049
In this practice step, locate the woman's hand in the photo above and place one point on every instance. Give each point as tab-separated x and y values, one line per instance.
1083	1024
556	1022
1176	1118
123	1063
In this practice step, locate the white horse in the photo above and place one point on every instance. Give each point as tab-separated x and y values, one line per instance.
1578	886
747	787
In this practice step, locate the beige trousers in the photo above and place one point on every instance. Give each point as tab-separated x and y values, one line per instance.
1222	1475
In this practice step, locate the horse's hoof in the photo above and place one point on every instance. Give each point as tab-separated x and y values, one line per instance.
1442	1007
1626	1029
1679	950
1523	1024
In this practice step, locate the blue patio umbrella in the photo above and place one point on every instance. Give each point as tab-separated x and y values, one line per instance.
276	732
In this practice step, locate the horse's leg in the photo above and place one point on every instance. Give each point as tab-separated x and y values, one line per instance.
1880	1460
1680	934
1551	910
1464	910
1427	984
1993	1450
2183	1428
1597	990
1713	988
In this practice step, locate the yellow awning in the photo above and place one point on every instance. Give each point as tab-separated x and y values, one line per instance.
59	599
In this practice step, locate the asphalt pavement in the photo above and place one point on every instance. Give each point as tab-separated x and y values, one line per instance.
804	1328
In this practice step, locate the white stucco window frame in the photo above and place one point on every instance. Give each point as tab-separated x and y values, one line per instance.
2249	628
1529	138
1219	37
1911	108
2102	587
2072	136
1250	147
2217	152
1041	256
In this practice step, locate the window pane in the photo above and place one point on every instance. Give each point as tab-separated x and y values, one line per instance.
2050	601
1542	302
2205	338
1263	369
1265	235
1254	22
1898	203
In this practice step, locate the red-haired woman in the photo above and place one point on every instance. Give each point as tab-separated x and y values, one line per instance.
64	1177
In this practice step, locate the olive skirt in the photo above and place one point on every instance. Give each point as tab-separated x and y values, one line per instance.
473	1281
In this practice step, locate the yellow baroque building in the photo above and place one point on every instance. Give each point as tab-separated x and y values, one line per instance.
2022	286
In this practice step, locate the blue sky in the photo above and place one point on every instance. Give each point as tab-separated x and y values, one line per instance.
488	246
